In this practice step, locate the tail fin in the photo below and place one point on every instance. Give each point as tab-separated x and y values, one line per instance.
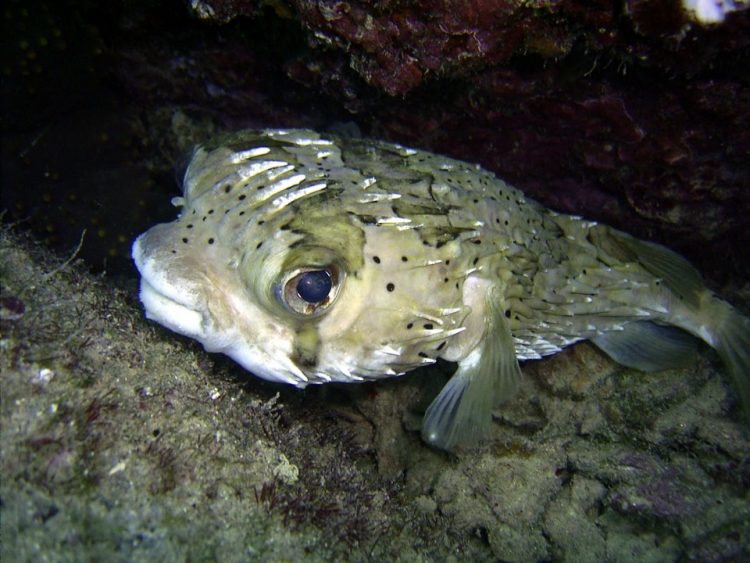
731	339
708	317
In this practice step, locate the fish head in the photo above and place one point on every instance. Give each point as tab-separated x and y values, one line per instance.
296	281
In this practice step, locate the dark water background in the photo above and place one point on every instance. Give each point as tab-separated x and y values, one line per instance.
89	89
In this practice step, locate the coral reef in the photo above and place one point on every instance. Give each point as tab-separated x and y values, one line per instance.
634	113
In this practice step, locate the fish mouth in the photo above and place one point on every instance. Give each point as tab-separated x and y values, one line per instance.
170	313
164	299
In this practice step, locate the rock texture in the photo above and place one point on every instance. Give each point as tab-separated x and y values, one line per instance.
118	438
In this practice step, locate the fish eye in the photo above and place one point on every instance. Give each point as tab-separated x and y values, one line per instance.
313	286
309	291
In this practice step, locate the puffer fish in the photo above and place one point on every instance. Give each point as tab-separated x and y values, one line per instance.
311	258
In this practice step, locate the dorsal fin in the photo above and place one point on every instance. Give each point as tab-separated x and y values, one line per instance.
677	273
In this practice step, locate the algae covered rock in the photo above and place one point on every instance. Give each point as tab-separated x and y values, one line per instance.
119	438
115	440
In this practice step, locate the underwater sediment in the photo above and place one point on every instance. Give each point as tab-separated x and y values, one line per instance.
118	438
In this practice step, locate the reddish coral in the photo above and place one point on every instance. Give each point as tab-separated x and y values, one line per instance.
622	112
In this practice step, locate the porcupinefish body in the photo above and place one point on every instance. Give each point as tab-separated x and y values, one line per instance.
310	258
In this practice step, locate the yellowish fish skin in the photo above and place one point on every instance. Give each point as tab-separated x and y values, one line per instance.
310	258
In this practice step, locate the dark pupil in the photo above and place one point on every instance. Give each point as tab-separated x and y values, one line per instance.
314	286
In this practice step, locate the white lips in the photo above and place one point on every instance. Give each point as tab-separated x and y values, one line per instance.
165	302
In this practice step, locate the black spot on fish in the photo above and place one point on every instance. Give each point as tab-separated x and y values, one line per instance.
390	287
428	326
368	219
185	240
258	245
404	259
211	241
242	197
227	188
376	259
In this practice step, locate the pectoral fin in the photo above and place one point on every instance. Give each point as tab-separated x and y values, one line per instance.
461	415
